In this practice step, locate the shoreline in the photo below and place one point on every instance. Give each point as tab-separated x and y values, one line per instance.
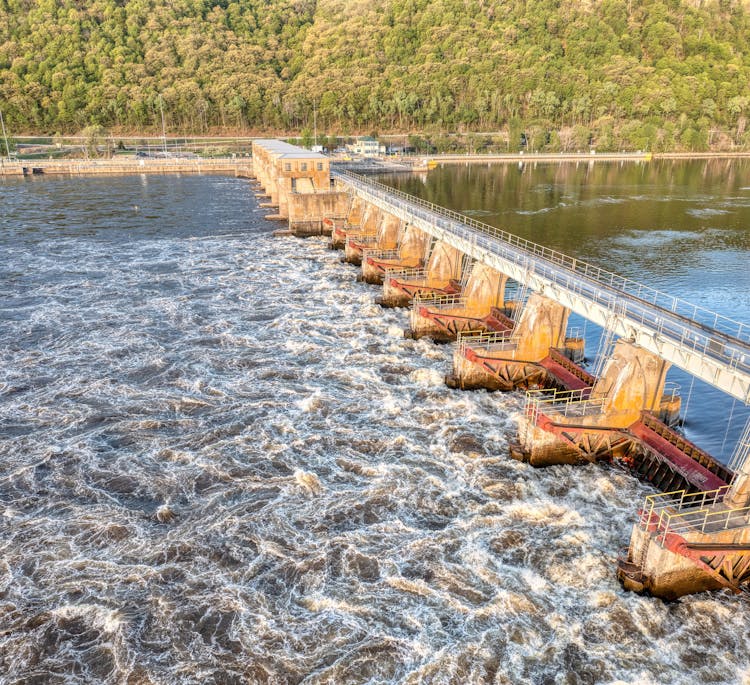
582	156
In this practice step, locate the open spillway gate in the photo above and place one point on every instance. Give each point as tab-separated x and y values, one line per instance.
456	274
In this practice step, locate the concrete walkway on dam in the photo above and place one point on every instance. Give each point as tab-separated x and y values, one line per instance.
125	165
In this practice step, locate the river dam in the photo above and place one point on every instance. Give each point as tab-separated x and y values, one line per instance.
209	482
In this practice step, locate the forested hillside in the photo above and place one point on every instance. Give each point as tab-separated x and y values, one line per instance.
652	74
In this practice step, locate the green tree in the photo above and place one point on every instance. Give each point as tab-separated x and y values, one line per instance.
406	66
95	141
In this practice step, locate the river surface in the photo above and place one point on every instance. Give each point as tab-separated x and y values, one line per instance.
222	463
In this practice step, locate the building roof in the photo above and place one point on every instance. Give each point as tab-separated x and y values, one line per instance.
285	150
302	155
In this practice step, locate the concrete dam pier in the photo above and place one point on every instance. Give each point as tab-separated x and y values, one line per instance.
504	303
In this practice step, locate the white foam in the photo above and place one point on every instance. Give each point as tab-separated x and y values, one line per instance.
108	620
706	212
536	583
312	402
427	377
316	442
308	481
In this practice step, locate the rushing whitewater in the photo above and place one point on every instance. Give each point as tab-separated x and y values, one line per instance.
221	463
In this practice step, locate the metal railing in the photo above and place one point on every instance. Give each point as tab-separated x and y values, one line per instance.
439	302
361	238
563	403
742	451
492	341
689	326
678	500
410	275
380	254
671	390
683	512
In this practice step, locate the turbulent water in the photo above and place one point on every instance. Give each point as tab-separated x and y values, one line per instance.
221	463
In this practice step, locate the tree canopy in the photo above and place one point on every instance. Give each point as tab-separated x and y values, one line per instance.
652	74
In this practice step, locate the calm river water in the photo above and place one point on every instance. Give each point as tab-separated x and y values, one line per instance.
221	462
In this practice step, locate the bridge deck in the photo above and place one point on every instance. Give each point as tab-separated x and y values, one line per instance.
711	347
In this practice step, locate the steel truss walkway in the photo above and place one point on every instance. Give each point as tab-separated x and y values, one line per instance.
709	346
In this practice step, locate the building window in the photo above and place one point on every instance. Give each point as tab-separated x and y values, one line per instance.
303	166
287	167
320	166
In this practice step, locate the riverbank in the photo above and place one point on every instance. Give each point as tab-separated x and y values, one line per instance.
577	157
511	158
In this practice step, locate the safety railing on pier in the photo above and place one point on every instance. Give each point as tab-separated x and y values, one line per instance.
380	254
692	327
410	275
681	512
497	341
678	501
362	237
562	403
439	302
672	391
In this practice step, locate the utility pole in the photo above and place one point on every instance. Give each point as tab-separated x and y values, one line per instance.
5	135
163	130
315	125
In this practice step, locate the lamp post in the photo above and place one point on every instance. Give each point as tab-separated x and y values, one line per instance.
163	129
5	135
